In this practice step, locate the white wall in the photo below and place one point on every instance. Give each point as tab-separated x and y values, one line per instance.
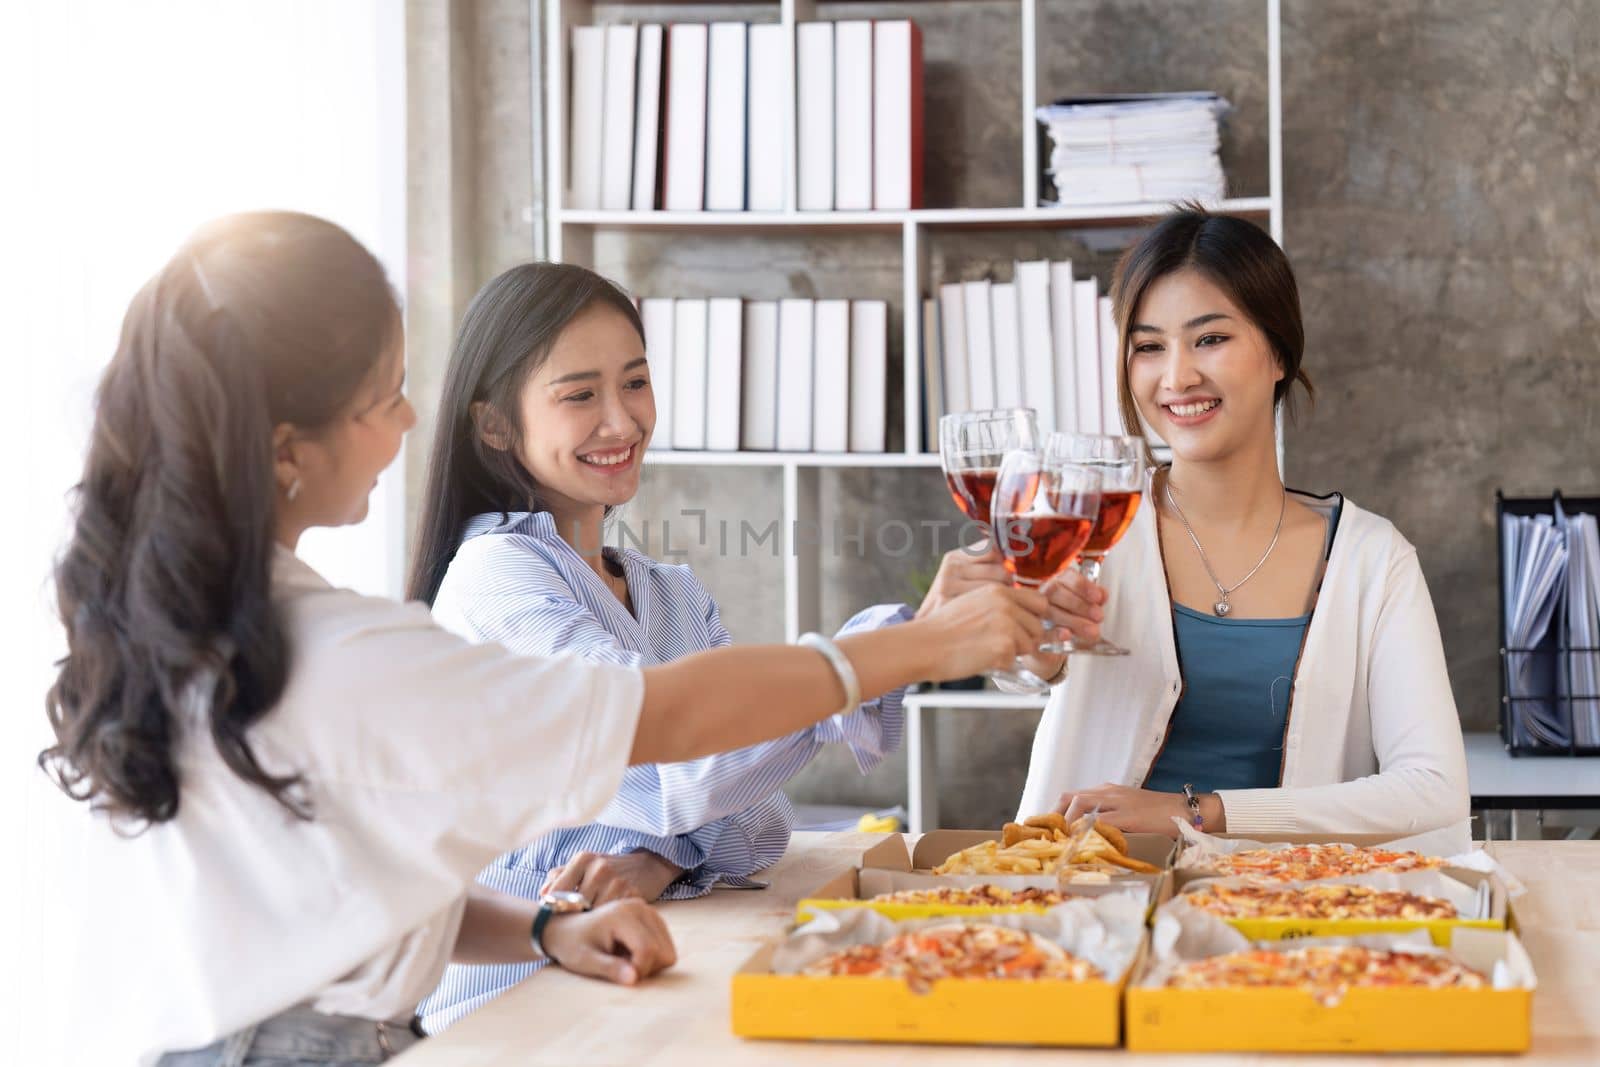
123	125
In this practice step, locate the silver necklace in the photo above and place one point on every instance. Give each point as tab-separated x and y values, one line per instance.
1222	607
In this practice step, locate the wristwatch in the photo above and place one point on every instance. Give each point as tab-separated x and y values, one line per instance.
555	902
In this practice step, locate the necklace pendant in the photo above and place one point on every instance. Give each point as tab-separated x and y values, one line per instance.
1222	607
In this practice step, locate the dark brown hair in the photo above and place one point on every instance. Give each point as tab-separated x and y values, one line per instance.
505	337
165	584
1241	260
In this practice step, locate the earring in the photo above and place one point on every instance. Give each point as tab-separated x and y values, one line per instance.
293	490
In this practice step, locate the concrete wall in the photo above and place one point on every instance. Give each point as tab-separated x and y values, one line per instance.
1442	190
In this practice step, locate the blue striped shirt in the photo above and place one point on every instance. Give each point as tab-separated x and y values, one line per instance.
516	582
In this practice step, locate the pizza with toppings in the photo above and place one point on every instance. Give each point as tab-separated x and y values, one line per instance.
1327	972
957	950
1306	863
976	896
1321	901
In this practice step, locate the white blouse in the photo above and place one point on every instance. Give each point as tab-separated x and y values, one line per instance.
423	757
1372	743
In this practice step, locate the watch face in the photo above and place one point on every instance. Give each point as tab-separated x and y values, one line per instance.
564	900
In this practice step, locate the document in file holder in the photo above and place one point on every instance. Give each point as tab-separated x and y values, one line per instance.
1580	680
1535	549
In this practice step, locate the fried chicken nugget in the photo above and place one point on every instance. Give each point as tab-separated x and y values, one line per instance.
1049	821
1014	832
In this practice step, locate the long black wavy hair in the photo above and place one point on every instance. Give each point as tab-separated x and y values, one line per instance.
258	320
505	336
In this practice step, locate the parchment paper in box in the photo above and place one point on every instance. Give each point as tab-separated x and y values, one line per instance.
1105	931
1196	847
1480	900
1181	935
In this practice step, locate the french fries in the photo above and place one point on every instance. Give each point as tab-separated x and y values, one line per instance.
1038	845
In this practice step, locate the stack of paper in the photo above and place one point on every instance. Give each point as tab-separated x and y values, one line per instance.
1535	552
1152	147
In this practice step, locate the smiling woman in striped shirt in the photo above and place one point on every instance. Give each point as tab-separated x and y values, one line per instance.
545	416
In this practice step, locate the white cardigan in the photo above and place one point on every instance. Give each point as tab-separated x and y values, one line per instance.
1372	743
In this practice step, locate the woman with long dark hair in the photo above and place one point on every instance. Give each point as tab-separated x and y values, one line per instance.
545	417
304	780
1286	673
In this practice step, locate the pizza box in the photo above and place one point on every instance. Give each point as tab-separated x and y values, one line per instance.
889	867
1363	1020
1474	893
787	1006
1495	907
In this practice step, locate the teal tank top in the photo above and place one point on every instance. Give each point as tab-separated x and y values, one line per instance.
1227	730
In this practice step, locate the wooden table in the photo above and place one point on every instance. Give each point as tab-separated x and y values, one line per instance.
681	1017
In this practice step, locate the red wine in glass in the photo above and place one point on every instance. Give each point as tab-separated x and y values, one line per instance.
1117	508
1036	548
972	488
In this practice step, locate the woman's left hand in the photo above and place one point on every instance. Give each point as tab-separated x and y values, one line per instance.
1138	811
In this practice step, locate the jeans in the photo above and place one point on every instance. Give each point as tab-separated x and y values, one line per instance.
301	1037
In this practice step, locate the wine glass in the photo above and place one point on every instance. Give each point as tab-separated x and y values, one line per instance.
971	447
1120	464
1045	509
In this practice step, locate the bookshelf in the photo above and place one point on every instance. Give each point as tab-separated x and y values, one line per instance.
571	236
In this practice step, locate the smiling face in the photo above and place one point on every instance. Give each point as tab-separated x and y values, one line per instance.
1201	372
587	413
337	466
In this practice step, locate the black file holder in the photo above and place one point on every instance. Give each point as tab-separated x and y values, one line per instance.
1560	656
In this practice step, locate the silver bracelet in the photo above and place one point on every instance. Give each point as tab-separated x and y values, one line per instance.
841	667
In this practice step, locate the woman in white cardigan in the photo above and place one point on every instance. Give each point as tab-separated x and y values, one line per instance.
1285	659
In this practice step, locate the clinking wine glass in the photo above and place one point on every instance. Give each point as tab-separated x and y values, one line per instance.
1120	463
1045	509
972	445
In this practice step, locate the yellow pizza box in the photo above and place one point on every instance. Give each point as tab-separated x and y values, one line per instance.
888	867
1363	1020
1494	892
773	1006
1499	913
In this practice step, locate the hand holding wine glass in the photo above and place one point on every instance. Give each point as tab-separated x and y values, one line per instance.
972	445
1044	512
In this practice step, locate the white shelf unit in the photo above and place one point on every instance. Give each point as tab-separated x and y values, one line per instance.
570	237
922	750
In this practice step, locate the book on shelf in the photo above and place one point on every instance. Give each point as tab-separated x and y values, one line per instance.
766	133
896	115
659	335
758	425
852	116
953	345
724	372
725	116
1086	361
795	326
1033	331
980	345
1064	338
617	136
933	402
830	375
689	381
1110	416
647	120
814	81
869	375
1007	346
586	123
685	142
